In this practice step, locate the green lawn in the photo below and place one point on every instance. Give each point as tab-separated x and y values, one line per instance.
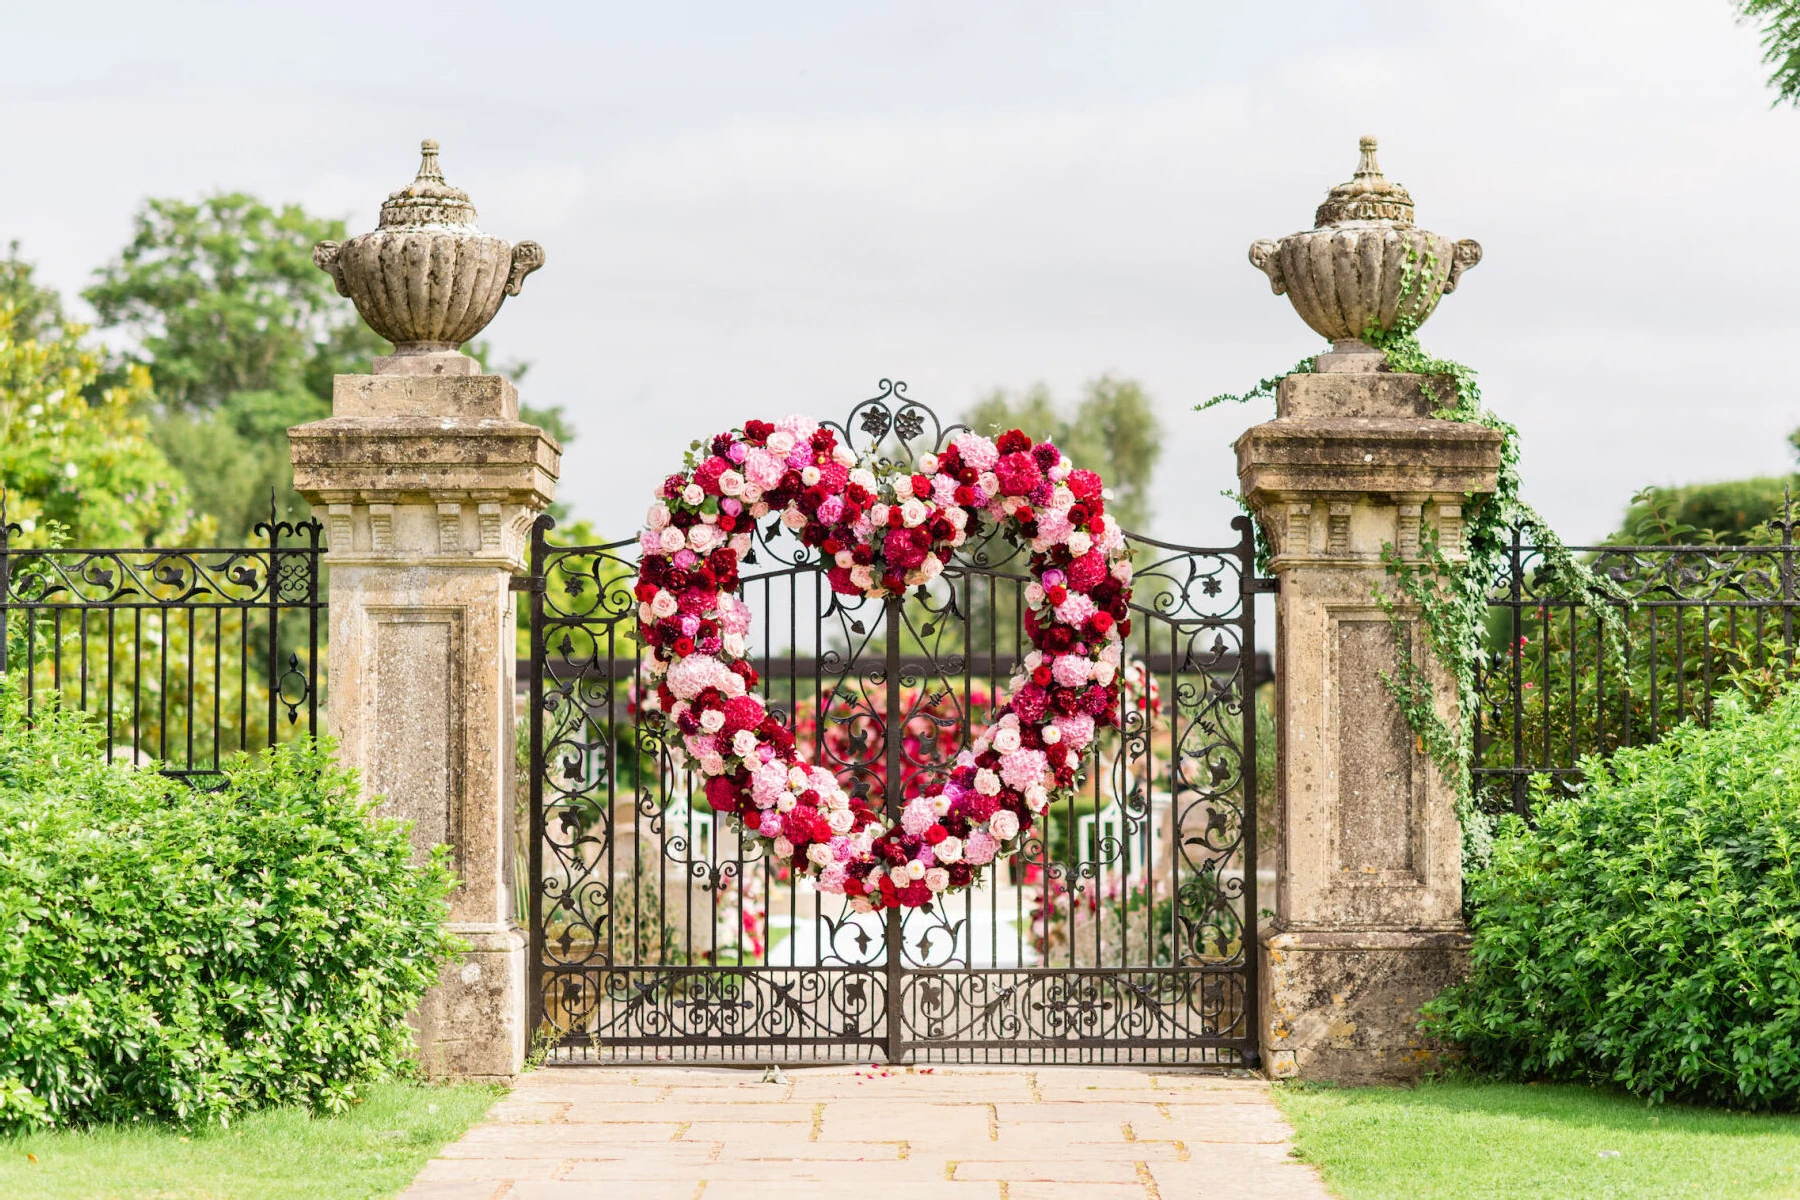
1486	1141
285	1154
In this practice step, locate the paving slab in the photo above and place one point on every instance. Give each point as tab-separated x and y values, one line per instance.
956	1133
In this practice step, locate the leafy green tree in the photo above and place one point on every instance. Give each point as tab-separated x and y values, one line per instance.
240	334
1780	22
1113	430
37	310
74	451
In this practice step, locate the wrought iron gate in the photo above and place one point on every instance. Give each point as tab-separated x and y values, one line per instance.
1122	932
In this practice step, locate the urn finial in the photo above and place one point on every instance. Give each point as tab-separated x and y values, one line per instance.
427	278
1365	269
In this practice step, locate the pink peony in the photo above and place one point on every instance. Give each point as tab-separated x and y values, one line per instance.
1077	731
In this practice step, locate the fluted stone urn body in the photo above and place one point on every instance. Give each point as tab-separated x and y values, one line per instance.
428	279
1364	269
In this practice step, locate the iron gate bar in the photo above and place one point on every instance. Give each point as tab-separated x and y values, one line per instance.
606	985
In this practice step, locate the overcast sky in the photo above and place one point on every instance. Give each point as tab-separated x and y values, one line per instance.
753	209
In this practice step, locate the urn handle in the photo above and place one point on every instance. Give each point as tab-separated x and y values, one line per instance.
325	257
1264	257
526	258
1465	255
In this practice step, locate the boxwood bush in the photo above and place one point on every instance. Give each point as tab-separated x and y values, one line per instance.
173	954
1644	932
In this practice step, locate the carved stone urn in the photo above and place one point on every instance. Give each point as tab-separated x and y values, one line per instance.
1364	268
427	279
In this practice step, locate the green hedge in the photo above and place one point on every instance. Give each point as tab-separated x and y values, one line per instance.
1645	932
170	954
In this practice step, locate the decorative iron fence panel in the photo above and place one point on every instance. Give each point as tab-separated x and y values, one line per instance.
183	656
1119	934
1696	622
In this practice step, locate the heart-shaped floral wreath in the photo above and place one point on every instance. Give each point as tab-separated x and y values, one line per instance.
883	528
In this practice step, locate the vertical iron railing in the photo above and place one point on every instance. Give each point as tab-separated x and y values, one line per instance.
1563	676
182	656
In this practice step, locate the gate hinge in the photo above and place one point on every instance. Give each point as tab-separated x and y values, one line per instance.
1259	586
526	583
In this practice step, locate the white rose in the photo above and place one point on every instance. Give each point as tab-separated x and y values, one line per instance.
693	493
903	486
959	517
843	455
1121	570
712	720
1004	824
1037	798
878	514
780	442
664	604
937	879
700	538
783	848
809	475
1080	543
1103	672
740	543
987	783
948	850
657	517
1062	499
899	876
864	478
645	614
734	644
731	483
793	518
928	464
818	854
862	577
743	743
1034	593
672	539
1006	741
932	567
989	483
913	512
734	685
752	494
840	819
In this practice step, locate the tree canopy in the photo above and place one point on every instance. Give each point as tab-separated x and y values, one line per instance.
1780	22
1113	430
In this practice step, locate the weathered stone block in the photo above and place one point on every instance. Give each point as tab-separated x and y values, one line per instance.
1345	1006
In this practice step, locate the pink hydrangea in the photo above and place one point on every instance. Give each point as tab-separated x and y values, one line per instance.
917	817
1022	768
1077	731
831	879
1071	670
1053	526
695	673
976	451
1076	610
980	848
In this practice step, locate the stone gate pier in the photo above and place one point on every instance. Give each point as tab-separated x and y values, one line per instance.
429	483
1368	909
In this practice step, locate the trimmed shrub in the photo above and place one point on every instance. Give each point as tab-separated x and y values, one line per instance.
1644	933
172	954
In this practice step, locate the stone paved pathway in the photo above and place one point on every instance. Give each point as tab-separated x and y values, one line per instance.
862	1133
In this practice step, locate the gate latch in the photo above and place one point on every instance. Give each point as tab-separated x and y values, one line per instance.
526	583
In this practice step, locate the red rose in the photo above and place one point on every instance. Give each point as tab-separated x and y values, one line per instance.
1041	677
895	517
1057	594
936	834
684	646
1100	623
646	592
921	486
